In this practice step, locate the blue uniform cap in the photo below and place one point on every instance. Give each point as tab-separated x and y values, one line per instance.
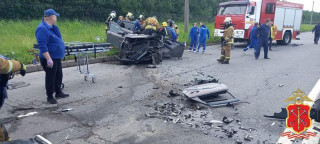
50	12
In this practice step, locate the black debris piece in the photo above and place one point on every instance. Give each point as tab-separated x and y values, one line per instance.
120	87
238	142
173	93
295	45
227	120
151	66
316	128
281	115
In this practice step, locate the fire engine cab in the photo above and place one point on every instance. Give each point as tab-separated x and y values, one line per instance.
286	16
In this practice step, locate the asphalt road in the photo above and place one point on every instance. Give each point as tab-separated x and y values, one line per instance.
113	110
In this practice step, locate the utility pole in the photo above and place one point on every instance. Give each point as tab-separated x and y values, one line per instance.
186	15
311	13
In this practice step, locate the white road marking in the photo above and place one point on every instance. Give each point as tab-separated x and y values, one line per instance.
313	95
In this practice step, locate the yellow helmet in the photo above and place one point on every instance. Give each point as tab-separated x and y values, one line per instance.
164	24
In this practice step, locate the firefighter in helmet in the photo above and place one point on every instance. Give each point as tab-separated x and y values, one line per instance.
138	24
227	41
129	16
167	32
151	25
111	17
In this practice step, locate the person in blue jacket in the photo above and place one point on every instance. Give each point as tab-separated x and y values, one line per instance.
51	51
204	32
263	38
173	34
193	35
138	23
253	38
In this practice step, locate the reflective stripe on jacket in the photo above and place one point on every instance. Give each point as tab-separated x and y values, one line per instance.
9	66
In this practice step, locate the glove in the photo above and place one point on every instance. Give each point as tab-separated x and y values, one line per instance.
49	63
23	69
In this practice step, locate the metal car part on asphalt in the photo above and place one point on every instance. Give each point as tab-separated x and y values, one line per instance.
211	94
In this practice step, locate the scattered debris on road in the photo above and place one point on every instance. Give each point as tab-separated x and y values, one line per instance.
28	114
227	120
67	109
295	45
281	85
281	115
211	94
248	138
151	66
273	123
120	87
173	93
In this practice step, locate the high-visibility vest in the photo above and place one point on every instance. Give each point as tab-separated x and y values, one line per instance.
274	31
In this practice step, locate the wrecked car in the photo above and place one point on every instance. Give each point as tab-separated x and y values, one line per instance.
136	48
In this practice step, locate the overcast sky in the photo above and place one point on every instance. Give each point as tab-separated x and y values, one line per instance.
307	4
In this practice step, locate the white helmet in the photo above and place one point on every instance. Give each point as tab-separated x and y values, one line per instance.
141	17
113	14
227	20
130	15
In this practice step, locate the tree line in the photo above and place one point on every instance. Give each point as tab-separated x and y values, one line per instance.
98	10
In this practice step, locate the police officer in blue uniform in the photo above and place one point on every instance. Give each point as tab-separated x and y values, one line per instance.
263	35
193	35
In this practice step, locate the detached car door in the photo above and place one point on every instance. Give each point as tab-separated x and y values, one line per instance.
115	35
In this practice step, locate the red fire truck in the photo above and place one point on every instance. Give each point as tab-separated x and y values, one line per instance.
286	16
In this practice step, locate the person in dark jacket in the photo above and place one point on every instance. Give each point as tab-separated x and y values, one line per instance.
263	35
316	31
52	50
193	35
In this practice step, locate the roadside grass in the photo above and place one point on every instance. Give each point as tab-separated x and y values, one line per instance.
183	36
17	37
306	27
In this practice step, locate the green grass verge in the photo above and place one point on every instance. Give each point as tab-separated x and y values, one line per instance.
17	37
184	36
306	27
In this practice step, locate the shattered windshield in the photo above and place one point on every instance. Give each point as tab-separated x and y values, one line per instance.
233	9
